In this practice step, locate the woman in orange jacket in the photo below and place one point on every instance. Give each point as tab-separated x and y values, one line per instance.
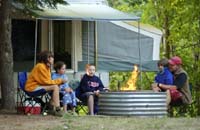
39	80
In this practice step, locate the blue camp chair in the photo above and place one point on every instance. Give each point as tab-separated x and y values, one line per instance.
25	98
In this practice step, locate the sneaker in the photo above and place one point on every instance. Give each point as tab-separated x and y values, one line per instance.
49	107
56	113
51	112
59	113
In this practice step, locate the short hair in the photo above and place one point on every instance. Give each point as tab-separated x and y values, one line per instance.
58	65
87	65
44	55
164	62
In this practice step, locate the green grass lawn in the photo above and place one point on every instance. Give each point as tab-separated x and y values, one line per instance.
128	123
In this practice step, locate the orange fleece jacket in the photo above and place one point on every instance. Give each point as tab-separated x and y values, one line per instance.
40	76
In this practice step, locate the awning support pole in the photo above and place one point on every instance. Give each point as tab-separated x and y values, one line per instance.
36	30
50	35
88	45
140	57
74	48
96	43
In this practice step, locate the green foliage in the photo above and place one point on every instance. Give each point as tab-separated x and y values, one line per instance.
37	4
187	110
131	6
131	3
118	79
180	22
145	80
27	5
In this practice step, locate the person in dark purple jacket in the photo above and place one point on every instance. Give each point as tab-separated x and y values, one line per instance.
90	86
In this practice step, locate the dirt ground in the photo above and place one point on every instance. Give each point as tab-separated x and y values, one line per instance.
39	122
32	122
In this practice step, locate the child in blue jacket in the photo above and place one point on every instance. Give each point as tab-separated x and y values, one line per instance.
164	76
69	97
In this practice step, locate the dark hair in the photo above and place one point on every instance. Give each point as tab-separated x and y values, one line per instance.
44	55
163	62
58	65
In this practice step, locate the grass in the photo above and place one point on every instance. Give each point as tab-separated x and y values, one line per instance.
128	123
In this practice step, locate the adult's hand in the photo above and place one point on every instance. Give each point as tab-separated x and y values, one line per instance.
155	87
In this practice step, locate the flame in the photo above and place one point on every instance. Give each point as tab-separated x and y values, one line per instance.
131	83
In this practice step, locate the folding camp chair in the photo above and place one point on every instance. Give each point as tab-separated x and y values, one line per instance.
82	104
81	107
25	98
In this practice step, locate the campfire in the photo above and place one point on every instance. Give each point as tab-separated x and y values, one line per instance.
131	82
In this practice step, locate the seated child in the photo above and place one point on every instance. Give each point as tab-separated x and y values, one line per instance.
86	70
164	76
69	97
90	86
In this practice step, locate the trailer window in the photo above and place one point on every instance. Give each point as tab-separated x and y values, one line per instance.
62	44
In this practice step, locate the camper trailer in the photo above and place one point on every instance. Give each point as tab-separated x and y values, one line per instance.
86	31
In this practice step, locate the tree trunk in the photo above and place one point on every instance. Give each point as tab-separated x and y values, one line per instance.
6	57
167	33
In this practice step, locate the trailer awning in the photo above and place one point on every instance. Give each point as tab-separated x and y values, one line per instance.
85	12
